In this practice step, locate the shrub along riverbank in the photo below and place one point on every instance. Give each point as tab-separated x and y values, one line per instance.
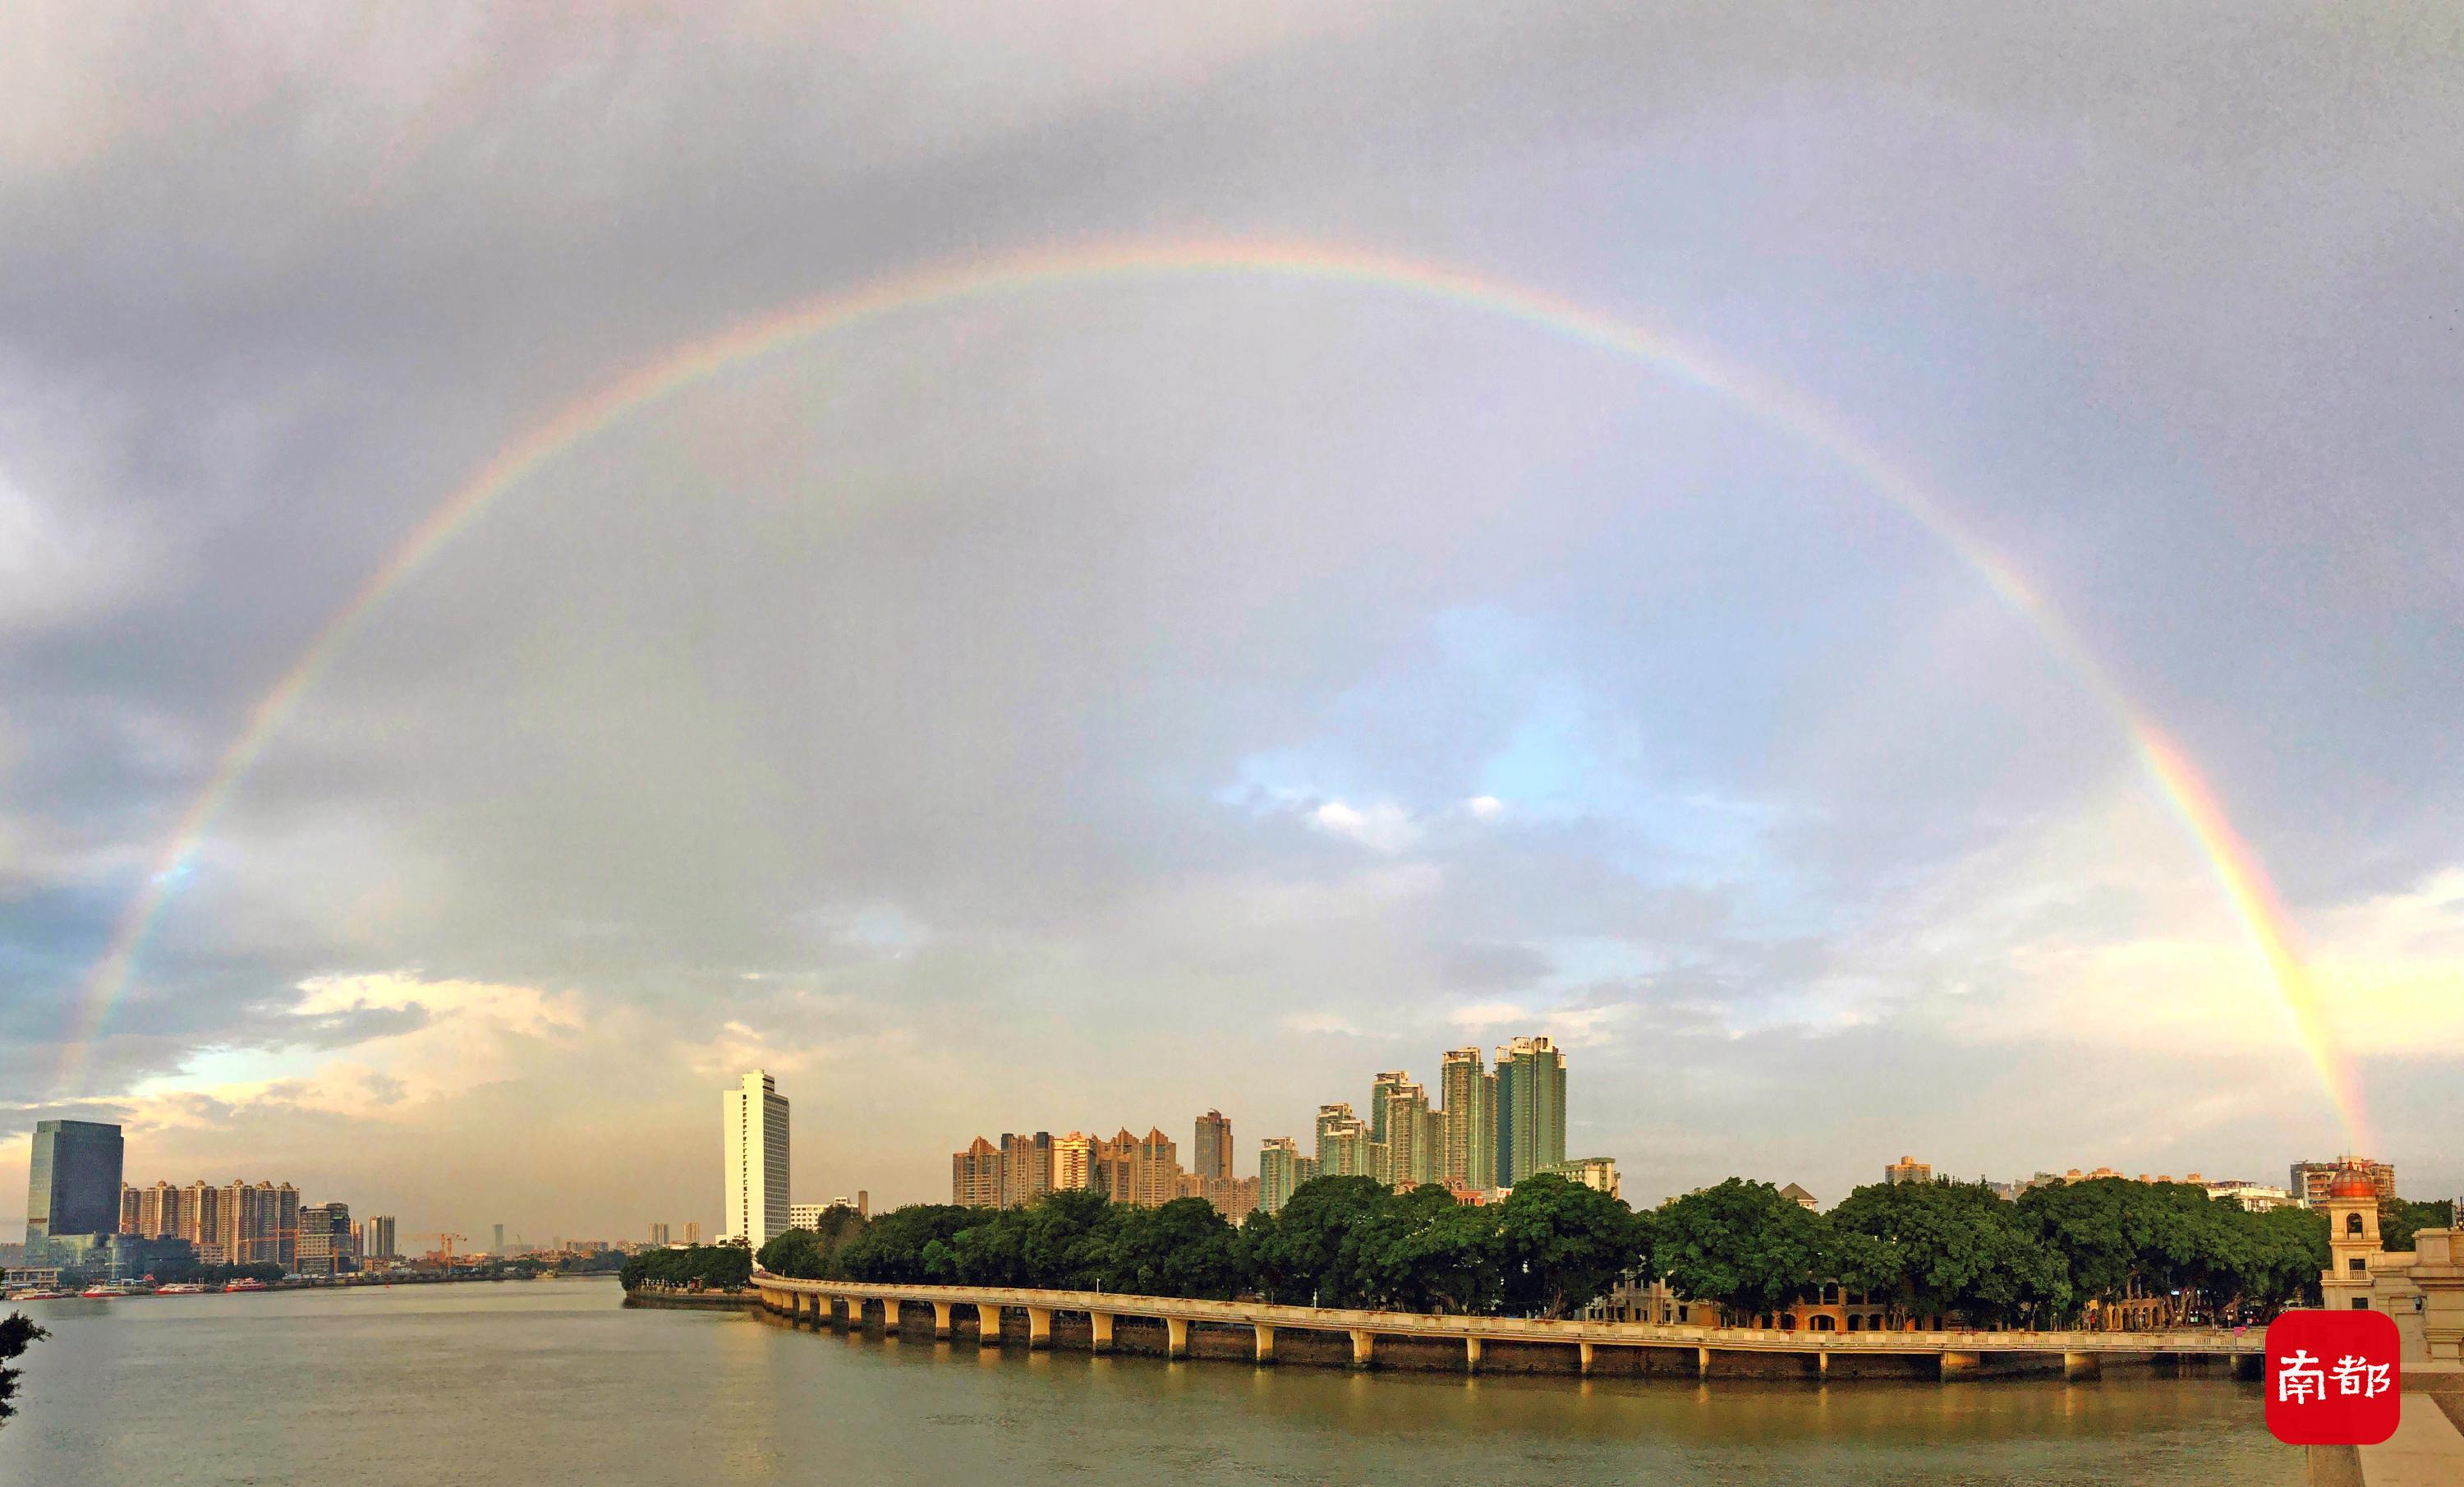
714	1267
1551	1247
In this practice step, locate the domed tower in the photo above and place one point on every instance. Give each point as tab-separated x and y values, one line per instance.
2352	1239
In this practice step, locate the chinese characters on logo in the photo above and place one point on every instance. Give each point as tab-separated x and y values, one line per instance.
2332	1378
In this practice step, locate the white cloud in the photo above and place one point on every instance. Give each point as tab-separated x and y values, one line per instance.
1318	1022
463	1034
1485	807
1384	827
1570	1027
1486	1014
54	570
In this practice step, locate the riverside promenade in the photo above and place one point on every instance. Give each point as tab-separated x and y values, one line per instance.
1264	1333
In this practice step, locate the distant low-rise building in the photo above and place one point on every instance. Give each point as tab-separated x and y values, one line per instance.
1594	1172
1801	1198
2254	1197
1908	1169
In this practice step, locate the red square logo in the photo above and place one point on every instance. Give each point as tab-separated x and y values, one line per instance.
2332	1378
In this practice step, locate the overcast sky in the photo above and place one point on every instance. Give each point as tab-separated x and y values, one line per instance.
1097	700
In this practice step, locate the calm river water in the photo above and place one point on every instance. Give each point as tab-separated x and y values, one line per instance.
553	1382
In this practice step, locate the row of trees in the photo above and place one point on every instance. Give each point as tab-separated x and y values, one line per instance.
710	1267
2400	1217
1551	1247
1958	1249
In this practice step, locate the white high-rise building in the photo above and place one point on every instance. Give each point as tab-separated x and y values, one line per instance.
753	1118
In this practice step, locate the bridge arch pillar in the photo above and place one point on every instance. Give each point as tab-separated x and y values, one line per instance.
1471	1354
889	1315
1364	1348
1175	1337
1583	1359
988	1325
942	1320
1266	1353
1100	1324
2082	1366
1039	1326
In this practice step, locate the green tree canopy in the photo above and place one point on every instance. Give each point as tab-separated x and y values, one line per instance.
1561	1244
1309	1252
17	1333
1741	1245
1183	1248
1942	1247
2399	1218
797	1255
892	1247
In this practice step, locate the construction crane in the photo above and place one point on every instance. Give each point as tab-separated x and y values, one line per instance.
445	1244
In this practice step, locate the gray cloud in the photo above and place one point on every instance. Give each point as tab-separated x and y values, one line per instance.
947	708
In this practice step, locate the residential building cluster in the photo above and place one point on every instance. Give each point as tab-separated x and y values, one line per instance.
1486	1130
1490	1128
1143	1170
260	1223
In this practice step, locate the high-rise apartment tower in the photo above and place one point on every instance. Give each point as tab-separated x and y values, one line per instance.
1211	1153
753	1120
1530	1108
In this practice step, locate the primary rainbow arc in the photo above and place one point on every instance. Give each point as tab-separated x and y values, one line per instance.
2237	870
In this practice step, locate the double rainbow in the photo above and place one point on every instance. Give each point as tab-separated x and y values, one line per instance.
2237	870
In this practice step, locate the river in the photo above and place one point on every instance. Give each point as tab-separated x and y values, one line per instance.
553	1382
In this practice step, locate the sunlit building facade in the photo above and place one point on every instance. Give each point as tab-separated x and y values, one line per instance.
753	1119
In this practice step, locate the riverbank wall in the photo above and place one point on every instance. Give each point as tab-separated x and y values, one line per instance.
694	1300
1264	1333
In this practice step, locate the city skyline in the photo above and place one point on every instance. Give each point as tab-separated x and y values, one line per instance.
1885	606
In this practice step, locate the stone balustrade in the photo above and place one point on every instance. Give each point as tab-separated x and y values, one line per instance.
1583	1343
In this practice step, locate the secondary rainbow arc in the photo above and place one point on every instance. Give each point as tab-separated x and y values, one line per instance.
2236	869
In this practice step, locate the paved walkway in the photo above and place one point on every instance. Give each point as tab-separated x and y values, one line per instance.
2426	1451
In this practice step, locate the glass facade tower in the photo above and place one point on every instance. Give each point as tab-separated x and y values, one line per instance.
72	1183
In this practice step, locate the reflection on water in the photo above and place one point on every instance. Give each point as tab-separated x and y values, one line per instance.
552	1381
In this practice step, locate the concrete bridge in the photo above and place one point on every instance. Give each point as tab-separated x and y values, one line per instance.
1260	1332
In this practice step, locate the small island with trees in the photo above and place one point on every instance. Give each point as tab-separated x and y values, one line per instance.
1942	1254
